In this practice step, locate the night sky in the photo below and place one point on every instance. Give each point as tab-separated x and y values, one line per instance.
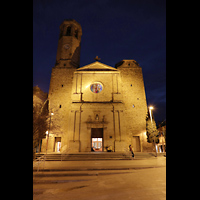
113	30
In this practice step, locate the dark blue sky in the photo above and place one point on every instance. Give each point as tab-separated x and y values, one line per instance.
112	29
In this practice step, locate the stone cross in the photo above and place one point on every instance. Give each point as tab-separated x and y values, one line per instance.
97	58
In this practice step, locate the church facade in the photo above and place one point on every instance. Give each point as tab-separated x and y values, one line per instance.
94	107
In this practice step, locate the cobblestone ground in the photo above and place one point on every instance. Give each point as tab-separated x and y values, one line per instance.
148	183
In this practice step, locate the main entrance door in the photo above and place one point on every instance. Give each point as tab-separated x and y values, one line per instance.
57	144
97	139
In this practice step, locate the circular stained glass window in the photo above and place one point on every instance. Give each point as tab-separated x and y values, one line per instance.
96	87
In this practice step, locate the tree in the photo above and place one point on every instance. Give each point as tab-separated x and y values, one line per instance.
162	130
40	116
151	129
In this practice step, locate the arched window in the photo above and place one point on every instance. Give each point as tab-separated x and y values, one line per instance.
68	31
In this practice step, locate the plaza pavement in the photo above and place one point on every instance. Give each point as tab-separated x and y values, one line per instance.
141	179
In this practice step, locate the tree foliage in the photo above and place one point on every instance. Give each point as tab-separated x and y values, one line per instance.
40	115
162	129
152	132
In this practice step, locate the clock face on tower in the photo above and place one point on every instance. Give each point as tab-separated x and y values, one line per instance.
66	46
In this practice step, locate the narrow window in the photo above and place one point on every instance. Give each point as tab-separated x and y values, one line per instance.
60	106
68	31
76	34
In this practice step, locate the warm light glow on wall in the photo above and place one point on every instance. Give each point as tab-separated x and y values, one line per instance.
87	86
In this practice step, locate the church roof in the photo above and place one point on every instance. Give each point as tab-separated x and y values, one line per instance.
97	66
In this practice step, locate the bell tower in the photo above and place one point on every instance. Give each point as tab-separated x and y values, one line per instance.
69	44
60	89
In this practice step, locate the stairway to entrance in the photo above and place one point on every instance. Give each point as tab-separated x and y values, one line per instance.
85	156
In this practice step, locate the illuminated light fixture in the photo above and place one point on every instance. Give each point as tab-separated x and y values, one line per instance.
151	108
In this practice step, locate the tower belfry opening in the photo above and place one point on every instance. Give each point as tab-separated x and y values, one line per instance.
68	31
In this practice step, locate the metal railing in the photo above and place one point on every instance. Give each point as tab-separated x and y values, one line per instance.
38	161
65	155
127	153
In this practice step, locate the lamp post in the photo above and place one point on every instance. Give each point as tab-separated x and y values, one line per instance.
48	132
150	111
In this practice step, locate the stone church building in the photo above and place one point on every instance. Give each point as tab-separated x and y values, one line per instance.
94	107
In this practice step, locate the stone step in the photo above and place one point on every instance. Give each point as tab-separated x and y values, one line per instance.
86	156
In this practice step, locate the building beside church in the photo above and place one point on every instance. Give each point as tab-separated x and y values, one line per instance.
94	106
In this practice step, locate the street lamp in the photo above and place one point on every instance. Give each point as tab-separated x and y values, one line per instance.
150	111
151	108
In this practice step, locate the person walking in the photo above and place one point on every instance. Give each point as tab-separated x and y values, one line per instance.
131	151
